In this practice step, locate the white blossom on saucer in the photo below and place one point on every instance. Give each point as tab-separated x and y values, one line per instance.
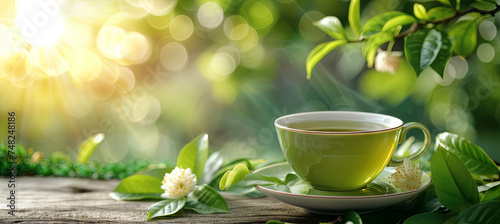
407	177
178	183
388	61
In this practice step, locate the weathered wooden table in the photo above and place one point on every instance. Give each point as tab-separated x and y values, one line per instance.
62	199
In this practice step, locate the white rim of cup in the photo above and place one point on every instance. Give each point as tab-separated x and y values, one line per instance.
278	123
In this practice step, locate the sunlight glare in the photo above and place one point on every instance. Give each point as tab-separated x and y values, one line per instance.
5	39
41	23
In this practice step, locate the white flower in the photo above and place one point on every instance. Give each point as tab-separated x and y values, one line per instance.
407	177
388	61
178	183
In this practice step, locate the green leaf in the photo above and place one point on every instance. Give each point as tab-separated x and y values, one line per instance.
233	176
492	194
352	217
454	185
422	47
440	13
258	179
375	24
139	184
444	54
420	11
464	33
206	200
484	5
445	2
212	166
464	4
296	184
165	208
319	52
355	16
332	26
428	218
155	170
88	146
474	158
194	155
251	164
483	213
372	44
391	25
133	196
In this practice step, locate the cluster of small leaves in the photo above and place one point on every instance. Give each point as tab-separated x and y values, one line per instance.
454	167
32	164
146	184
431	36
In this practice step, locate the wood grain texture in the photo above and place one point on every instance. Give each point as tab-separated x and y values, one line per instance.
62	199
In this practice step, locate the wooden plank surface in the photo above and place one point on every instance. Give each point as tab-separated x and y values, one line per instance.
62	199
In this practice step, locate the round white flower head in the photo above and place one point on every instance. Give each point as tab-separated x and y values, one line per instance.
407	177
178	183
388	61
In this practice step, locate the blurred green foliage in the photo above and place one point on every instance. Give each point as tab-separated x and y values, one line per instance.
250	69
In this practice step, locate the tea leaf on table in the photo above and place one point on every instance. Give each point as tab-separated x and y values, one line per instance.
295	184
88	146
332	26
258	179
251	164
134	196
140	184
212	166
453	183
165	207
484	213
233	176
428	218
194	155
474	158
240	189
492	194
206	200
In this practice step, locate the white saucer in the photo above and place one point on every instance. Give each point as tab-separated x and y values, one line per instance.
377	195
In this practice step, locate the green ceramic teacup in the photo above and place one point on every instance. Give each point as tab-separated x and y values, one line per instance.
343	150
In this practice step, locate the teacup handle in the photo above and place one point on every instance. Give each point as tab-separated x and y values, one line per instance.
402	138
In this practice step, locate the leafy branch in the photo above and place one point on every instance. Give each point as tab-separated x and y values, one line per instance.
458	14
430	39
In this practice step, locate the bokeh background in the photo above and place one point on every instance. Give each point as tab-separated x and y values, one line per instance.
153	74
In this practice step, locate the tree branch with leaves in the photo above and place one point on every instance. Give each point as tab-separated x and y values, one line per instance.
431	37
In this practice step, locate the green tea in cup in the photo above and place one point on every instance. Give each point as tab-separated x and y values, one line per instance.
343	150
